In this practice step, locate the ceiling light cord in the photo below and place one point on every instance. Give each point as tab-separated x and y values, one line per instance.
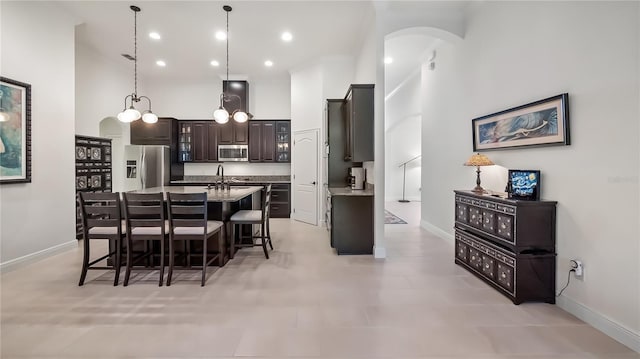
227	47
130	114
135	56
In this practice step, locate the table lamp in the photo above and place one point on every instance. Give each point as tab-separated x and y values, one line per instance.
478	160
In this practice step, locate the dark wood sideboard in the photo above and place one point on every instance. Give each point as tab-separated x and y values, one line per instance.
509	244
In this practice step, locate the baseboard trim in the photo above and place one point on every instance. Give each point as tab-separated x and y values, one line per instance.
20	262
379	252
437	231
600	322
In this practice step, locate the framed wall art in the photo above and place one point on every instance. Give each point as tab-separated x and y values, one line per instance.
540	123
15	131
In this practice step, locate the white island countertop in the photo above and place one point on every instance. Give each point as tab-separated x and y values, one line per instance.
236	193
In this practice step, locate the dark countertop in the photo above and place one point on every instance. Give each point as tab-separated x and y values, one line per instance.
204	180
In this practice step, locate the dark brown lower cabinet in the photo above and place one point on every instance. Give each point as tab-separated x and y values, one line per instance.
280	200
352	224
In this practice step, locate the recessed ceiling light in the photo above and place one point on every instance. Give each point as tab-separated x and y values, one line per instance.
268	63
154	35
286	36
388	60
161	63
214	63
221	35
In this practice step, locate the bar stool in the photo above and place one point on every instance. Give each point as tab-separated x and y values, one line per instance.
145	219
260	217
101	219
188	222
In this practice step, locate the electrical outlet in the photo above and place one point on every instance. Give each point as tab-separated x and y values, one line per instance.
578	269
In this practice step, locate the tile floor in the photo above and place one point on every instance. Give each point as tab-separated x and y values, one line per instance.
303	302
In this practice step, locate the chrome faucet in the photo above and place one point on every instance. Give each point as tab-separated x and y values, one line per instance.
220	171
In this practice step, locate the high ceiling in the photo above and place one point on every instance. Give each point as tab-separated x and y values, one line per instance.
188	28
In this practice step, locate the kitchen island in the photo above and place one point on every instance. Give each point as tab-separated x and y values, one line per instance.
222	204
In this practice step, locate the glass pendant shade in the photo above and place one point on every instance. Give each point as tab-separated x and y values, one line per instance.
240	116
149	117
221	115
131	114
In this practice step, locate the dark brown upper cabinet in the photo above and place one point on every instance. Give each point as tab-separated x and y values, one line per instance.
262	141
283	141
233	133
163	132
198	141
358	112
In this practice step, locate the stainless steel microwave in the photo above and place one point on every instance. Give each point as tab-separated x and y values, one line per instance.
233	153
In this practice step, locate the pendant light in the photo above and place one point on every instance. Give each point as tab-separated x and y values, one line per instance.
131	114
221	115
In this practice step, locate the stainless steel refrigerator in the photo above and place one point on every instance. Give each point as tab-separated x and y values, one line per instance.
146	166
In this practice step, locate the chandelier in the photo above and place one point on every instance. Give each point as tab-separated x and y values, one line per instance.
131	114
221	115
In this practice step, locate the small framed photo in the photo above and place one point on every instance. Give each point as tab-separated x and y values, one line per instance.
524	184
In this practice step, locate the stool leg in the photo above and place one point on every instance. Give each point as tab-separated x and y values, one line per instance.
204	260
85	262
171	263
129	263
161	263
232	241
269	234
118	262
264	240
221	246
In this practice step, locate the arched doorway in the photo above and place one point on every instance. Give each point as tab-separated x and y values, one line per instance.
111	128
410	54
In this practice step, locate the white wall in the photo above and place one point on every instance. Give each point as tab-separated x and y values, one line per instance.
402	140
402	143
38	48
269	97
589	50
101	85
311	86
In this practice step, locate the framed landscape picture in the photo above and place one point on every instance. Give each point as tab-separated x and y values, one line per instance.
15	131
540	123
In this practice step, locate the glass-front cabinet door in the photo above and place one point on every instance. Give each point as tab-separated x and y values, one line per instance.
185	142
283	141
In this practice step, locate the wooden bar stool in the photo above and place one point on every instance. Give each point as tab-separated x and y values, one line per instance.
101	219
260	217
145	219
188	222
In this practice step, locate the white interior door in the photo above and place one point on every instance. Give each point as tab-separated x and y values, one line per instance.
305	176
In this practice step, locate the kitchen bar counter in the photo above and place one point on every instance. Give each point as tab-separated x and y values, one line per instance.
204	180
347	191
222	204
235	194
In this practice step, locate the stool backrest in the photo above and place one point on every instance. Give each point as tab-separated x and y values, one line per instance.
100	209
144	210
187	209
